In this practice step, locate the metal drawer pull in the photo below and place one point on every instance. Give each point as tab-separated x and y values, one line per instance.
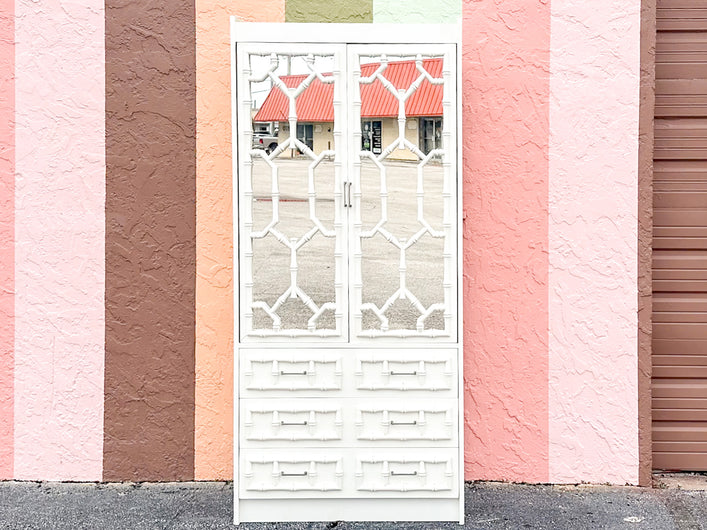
392	422
293	422
403	373
303	474
303	372
413	474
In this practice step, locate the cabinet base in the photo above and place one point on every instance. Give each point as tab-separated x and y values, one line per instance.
278	510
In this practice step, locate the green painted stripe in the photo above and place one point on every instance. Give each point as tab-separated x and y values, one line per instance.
329	11
417	11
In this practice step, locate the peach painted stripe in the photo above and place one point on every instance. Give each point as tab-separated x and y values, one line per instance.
505	68
59	231
213	458
7	234
594	87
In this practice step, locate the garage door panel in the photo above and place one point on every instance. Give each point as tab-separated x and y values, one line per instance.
668	305
679	264
681	229
679	371
682	431
694	361
678	139
680	388
690	286
680	461
680	147
678	170
675	242
680	199
678	347
680	447
685	104
686	259
671	317
682	273
679	414
686	404
679	330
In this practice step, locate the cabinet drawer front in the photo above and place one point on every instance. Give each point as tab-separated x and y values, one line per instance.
407	371
408	473
298	420
282	473
433	420
266	372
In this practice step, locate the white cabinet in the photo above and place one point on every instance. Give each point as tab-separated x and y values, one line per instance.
348	298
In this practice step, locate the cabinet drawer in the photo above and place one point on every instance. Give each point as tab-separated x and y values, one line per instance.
431	420
285	473
407	371
294	420
267	372
423	472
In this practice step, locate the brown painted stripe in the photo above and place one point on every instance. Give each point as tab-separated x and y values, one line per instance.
150	240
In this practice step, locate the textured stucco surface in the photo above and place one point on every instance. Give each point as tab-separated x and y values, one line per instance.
594	103
505	69
551	143
7	234
343	11
213	459
59	229
417	11
645	238
150	240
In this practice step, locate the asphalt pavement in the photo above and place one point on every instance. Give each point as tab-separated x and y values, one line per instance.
208	505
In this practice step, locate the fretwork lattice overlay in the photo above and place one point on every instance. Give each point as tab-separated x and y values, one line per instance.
418	302
293	254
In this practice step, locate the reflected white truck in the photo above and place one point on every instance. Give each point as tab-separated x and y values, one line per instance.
264	141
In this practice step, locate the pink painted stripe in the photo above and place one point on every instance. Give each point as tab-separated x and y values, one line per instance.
595	71
59	229
7	234
505	67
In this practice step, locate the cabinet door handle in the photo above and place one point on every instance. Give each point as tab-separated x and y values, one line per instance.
393	422
413	474
293	422
303	474
403	373
347	195
283	372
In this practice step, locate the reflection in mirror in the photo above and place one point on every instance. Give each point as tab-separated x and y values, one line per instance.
402	196
292	206
399	247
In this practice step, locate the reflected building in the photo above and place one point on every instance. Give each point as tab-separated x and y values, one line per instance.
379	111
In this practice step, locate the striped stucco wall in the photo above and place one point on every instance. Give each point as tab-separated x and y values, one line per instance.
116	271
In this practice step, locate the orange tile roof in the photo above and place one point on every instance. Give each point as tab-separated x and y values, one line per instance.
315	104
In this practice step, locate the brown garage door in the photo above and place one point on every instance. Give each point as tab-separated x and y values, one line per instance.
680	238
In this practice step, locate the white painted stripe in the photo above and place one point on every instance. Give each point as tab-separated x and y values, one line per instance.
594	104
60	233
